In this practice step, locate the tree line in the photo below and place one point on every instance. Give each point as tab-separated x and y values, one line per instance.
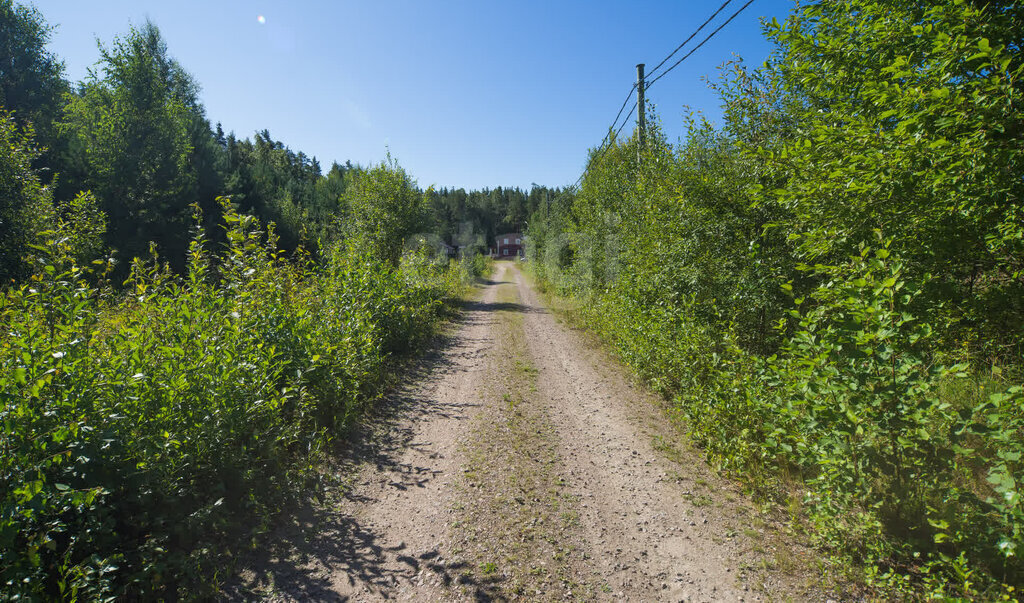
134	136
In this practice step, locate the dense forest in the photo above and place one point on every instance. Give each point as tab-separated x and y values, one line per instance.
191	319
829	285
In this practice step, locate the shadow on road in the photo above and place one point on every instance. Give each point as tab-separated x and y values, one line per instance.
315	545
482	306
320	546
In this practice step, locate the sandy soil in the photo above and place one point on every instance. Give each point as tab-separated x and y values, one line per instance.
521	462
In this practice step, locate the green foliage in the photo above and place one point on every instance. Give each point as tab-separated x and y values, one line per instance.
433	271
475	266
829	287
385	208
83	224
31	83
898	438
131	132
25	203
144	436
472	219
135	134
1001	419
910	122
270	180
150	427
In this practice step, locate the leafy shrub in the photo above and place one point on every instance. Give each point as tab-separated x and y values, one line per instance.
24	202
143	435
906	472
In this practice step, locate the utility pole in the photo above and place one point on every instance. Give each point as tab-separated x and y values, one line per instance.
641	119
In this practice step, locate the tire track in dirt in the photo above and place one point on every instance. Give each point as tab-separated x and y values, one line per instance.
517	518
660	530
522	463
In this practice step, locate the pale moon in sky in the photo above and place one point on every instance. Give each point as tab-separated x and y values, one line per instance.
261	19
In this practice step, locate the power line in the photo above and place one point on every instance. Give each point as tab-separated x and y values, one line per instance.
601	147
617	115
697	31
630	114
695	48
607	138
628	96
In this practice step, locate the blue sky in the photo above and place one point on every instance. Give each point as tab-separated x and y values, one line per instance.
467	94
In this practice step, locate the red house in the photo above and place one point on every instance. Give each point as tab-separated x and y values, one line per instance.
509	245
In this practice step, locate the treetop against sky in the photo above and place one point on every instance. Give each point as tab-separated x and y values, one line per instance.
463	93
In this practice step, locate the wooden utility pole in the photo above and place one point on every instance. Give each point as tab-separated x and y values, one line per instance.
641	119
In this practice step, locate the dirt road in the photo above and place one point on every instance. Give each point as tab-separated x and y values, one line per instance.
522	462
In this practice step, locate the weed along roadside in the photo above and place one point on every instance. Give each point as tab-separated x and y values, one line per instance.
150	439
518	461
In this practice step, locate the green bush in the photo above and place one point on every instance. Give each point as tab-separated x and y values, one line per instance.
24	202
829	288
909	468
145	434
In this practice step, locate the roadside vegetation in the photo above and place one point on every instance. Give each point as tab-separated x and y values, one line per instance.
829	284
190	322
150	434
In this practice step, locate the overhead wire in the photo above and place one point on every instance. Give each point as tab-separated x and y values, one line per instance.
602	148
608	136
617	115
695	48
628	96
606	139
630	114
696	31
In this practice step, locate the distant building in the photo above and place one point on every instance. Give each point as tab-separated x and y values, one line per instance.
509	245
